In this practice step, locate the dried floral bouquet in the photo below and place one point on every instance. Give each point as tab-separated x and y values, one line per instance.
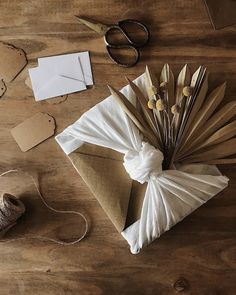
181	119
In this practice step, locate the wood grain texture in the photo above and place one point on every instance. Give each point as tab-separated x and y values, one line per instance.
201	249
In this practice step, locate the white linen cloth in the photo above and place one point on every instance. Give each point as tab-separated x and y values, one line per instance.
170	195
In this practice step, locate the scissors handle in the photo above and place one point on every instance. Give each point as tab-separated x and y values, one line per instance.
110	48
121	27
131	43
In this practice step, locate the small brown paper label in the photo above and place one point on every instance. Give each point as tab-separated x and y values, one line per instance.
33	131
3	88
12	61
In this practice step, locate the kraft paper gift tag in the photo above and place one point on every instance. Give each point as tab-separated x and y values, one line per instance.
3	88
12	61
33	131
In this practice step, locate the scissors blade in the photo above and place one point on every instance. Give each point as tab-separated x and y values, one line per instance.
101	29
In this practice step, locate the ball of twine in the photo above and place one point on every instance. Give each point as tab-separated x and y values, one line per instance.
11	209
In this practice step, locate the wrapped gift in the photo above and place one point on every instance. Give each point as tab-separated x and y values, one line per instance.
147	152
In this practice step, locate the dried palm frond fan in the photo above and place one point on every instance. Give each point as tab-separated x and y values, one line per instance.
182	119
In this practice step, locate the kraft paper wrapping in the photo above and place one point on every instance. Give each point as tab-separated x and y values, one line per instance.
102	170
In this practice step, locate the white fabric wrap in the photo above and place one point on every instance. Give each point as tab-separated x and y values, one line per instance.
170	195
143	164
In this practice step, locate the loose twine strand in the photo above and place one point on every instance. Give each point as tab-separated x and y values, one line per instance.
43	238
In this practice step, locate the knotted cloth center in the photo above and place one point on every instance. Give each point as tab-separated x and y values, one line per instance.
145	164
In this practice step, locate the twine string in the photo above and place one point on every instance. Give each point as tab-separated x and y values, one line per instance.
43	238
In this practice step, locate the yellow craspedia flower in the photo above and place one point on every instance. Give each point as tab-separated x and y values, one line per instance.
160	106
187	91
151	104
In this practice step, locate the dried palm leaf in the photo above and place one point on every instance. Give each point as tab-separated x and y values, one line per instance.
221	135
183	80
211	103
222	161
134	115
152	87
218	151
227	112
200	89
148	114
168	77
151	83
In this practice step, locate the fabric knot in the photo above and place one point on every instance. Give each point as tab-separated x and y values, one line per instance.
145	164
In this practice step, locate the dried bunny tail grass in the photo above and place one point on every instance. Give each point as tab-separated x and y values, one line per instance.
151	104
187	91
160	105
175	109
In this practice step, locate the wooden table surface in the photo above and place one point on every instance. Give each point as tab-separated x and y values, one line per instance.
200	251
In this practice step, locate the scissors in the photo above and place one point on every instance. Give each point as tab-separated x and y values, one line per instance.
106	30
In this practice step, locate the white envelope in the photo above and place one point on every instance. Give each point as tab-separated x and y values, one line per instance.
83	58
60	78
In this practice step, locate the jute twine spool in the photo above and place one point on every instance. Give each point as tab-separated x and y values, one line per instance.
11	209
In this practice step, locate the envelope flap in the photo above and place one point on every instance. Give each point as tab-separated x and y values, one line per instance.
107	180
